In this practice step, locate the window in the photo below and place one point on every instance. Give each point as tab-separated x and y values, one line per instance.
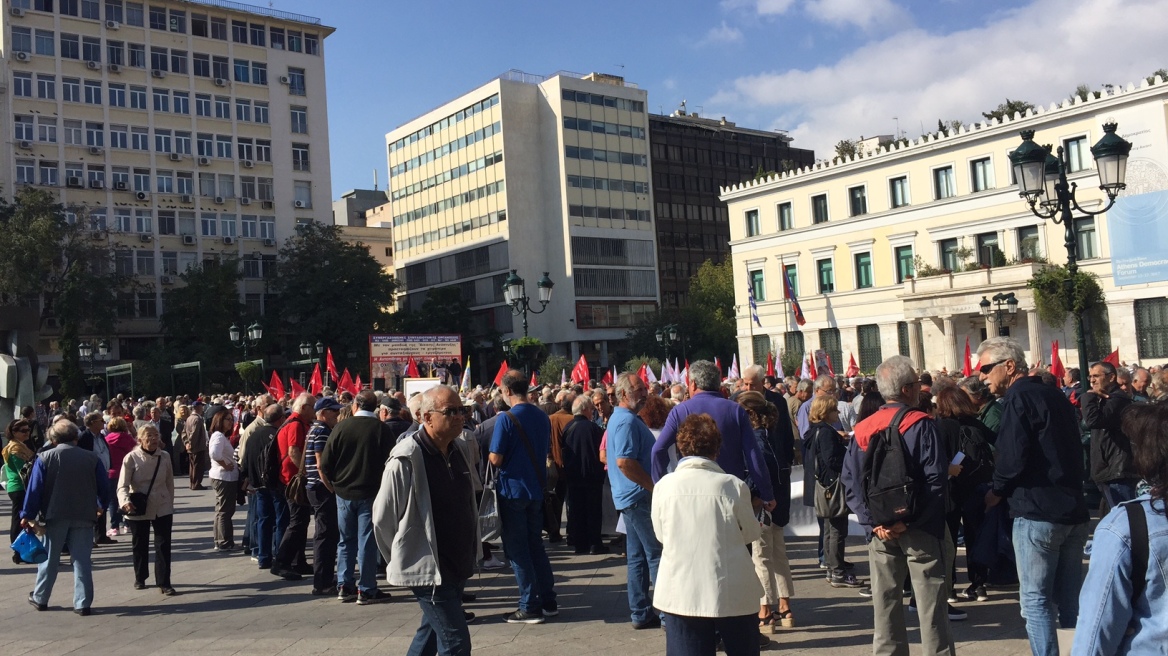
73	133
96	176
868	338
166	226
145	262
123	220
295	39
46	43
826	276
245	148
113	10
120	174
46	86
756	285
989	253
139	139
25	171
261	112
249	226
117	95
760	346
22	85
223	146
257	33
186	224
247	186
829	340
47	129
863	263
169	258
1028	243
185	183
222	107
178	62
219	28
142	222
21	39
202	104
142	180
752	228
158	59
91	9
199	26
311	44
1152	327
904	262
92	92
786	220
210	225
981	175
264	188
302	191
178	21
24	128
263	150
220	67
182	143
182	102
1085	238
207	185
164	182
793	343
202	65
115	52
300	120
227	225
902	340
943	183
819	208
949	260
267	227
147	301
70	89
296	82
138	97
226	185
161	100
242	70
70	46
91	49
158	18
276	35
137	55
205	144
239	31
858	200
95	134
792	273
49	173
242	110
1076	150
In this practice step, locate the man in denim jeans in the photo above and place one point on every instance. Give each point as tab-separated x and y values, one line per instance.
630	447
520	452
1039	469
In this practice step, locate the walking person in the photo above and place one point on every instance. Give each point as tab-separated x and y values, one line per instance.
67	490
93	439
147	471
16	455
196	443
224	478
326	535
120	442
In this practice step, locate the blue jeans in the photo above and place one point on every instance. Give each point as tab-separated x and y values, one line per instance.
355	520
1050	573
644	555
698	636
79	536
249	530
443	630
522	521
271	519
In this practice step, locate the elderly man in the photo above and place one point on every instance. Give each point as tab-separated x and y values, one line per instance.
197	442
677	393
916	547
1141	378
256	409
426	523
825	385
583	473
553	507
69	486
601	405
1111	452
290	562
1039	468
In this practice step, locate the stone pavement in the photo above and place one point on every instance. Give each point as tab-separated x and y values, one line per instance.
228	606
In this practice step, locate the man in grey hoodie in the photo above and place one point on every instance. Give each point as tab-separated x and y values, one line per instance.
427	483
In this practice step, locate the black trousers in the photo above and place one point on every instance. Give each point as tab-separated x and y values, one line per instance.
17	499
584	515
291	551
140	542
325	538
553	509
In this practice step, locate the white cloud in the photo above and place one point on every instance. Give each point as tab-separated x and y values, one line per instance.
1037	53
722	34
862	13
760	7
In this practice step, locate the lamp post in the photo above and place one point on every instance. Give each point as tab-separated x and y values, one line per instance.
88	352
1002	304
668	335
1042	182
517	298
255	333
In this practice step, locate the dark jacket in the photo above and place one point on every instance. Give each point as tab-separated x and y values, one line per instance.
68	484
580	446
1039	460
354	457
253	449
827	450
1110	449
397	426
778	459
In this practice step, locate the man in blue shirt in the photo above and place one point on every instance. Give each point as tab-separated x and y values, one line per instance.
630	446
519	449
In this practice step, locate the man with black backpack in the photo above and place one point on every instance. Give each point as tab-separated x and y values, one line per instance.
895	477
261	470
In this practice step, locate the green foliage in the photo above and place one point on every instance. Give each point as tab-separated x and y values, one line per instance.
634	365
792	362
549	371
922	269
196	317
1054	305
1007	109
846	148
1162	72
525	341
1082	92
249	372
710	323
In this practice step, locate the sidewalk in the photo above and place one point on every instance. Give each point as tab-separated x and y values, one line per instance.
228	606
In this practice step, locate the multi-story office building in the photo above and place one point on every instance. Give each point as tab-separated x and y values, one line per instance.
894	252
534	174
185	130
692	159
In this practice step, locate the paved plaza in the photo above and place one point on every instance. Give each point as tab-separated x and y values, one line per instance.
228	606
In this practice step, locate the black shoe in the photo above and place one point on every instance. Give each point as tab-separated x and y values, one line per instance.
849	566
286	574
105	539
168	592
551	609
581	551
554	539
139	585
303	569
83	612
467	597
17	559
956	614
866	591
370	598
521	617
325	592
346	595
469	617
654	622
35	604
598	550
845	581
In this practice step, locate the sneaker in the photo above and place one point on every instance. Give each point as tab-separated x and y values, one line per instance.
652	622
845	581
139	585
105	539
1087	548
968	594
325	592
34	604
981	593
493	563
551	609
123	530
112	533
168	592
956	614
255	559
468	616
822	565
866	591
347	595
370	598
521	617
952	598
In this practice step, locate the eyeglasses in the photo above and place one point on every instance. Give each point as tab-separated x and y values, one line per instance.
985	369
451	412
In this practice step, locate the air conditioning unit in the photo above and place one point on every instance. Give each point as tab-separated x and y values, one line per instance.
267	205
23	56
26	145
220	82
299	204
167	280
158	73
114	68
141	195
247	163
96	235
112	25
121	186
186	198
17	11
284	79
189	240
74	181
245	201
204	161
219	200
145	237
96	184
93	66
229	240
95	150
176	157
269	242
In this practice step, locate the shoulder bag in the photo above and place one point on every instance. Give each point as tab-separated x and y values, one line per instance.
138	500
490	525
297	489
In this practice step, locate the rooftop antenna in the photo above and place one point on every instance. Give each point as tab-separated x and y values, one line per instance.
620	66
683	106
374	179
897	119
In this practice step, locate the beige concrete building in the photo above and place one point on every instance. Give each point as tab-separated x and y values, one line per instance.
852	236
535	174
379	241
184	129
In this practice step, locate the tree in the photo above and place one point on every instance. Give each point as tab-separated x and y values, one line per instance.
196	317
951	126
846	148
549	371
711	316
1007	109
1162	72
62	267
1083	91
634	365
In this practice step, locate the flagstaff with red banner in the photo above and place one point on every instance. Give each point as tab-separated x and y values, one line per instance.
1056	363
853	370
966	368
770	367
580	372
315	384
276	386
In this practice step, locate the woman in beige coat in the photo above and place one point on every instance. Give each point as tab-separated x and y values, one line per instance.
147	469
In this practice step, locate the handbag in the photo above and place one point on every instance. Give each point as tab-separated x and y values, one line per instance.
139	500
490	525
297	489
30	548
829	501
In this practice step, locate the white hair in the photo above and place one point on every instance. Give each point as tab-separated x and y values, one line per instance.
1004	348
753	372
893	375
303	400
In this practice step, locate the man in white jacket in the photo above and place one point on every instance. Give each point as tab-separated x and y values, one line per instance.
427	483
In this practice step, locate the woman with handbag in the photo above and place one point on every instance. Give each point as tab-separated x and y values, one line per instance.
224	478
146	497
16	455
828	449
120	442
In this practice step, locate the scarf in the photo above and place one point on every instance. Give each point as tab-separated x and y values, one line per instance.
18	449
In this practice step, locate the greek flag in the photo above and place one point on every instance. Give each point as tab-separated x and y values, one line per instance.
753	304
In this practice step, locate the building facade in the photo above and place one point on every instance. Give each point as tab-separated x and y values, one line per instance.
534	174
893	252
351	207
184	130
692	159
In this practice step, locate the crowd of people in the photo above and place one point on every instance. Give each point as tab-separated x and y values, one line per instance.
405	489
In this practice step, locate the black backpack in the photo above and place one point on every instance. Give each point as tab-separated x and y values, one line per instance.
978	465
891	485
269	464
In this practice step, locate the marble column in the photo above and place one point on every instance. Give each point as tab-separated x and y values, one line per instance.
950	344
991	325
1032	328
915	347
603	355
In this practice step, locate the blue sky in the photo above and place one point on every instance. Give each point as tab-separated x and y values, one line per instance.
823	69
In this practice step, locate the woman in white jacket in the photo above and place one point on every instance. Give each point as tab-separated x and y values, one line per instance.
147	470
706	584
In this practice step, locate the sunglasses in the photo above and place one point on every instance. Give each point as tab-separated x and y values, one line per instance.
985	369
451	412
22	430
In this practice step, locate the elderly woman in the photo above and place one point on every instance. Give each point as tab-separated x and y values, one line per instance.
705	584
16	454
826	450
147	470
121	442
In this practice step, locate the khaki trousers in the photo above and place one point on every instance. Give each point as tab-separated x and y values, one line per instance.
771	565
925	559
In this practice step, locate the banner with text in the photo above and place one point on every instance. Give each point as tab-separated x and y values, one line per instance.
389	354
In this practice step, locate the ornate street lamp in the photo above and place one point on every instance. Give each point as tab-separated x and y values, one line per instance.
255	332
1002	304
515	294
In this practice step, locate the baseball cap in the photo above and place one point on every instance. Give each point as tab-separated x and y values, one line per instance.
327	403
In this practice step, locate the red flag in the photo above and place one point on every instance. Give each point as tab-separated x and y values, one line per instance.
770	371
685	373
316	383
276	386
966	369
297	390
643	375
830	369
1113	358
852	368
1056	363
357	385
717	363
412	369
331	366
346	382
534	380
580	372
499	376
608	376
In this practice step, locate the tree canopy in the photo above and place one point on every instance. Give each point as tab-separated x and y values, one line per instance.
196	317
1008	108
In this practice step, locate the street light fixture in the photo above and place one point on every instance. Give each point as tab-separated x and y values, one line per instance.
1042	182
668	335
1002	304
88	352
255	332
515	293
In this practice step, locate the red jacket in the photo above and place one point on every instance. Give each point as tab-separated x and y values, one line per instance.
294	432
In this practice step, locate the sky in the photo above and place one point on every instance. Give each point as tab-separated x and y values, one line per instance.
823	70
